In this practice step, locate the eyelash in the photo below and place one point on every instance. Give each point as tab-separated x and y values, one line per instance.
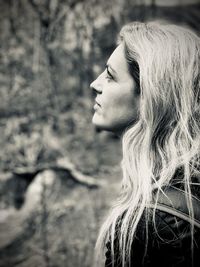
108	75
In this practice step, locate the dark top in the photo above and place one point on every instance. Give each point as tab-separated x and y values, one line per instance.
170	244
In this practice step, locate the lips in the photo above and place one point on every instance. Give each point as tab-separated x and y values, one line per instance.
96	102
97	106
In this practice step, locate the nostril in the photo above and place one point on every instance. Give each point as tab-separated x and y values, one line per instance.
96	88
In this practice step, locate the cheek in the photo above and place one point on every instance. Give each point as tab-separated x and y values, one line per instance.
123	103
120	110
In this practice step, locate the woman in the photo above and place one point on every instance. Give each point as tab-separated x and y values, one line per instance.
149	94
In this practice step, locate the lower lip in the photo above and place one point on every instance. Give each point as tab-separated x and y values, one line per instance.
96	106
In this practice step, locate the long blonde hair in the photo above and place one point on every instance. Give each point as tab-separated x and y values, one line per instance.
167	133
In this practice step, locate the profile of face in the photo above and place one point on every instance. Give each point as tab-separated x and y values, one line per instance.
117	99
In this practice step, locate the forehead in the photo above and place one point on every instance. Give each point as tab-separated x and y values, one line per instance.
117	60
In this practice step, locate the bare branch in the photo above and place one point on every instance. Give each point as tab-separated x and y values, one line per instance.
62	164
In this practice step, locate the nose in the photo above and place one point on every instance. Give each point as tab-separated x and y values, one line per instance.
96	86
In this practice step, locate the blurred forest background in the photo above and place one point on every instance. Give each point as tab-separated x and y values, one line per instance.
58	174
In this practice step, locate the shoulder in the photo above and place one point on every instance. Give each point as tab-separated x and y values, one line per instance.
169	235
172	227
169	218
173	203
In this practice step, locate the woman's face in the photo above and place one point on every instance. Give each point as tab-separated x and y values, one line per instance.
117	100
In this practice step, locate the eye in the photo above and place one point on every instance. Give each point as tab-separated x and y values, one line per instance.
108	75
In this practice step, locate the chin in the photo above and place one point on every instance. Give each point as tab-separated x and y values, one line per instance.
115	126
102	126
99	123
